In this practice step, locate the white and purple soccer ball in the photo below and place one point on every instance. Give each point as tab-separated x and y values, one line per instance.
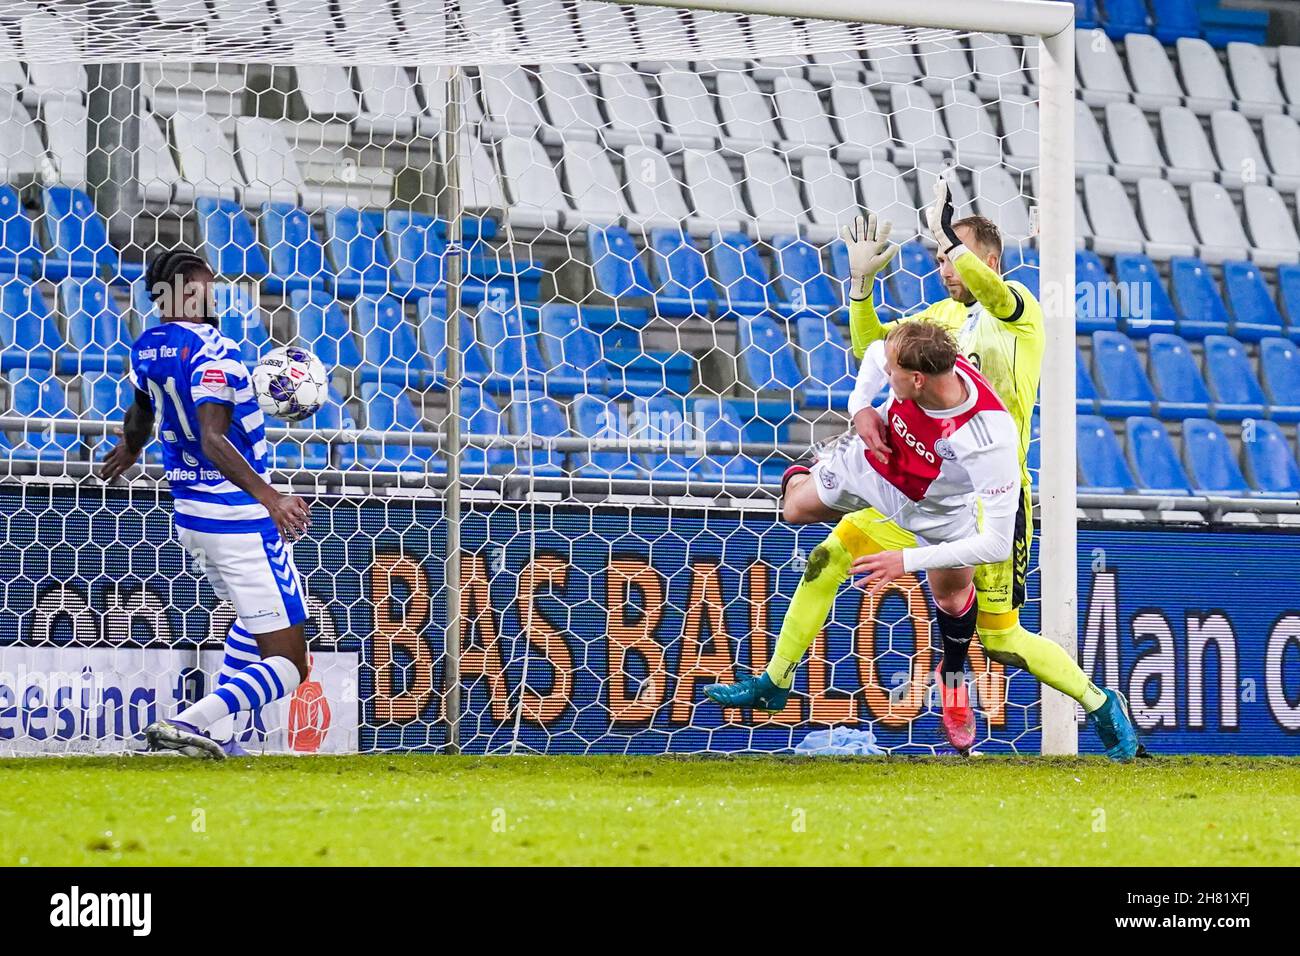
291	383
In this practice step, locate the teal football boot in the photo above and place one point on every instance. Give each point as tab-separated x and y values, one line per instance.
752	693
1115	727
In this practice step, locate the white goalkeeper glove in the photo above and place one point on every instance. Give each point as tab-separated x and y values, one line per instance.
869	252
939	218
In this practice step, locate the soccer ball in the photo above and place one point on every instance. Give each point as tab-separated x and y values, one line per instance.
290	383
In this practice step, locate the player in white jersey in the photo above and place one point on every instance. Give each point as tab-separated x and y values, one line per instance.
235	525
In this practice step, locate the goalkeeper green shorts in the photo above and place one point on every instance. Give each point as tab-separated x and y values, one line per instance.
999	588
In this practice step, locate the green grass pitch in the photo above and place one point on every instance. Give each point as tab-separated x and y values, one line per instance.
427	809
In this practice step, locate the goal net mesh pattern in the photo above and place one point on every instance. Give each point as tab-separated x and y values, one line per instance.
649	295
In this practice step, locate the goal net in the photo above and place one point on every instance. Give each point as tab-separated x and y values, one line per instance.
573	268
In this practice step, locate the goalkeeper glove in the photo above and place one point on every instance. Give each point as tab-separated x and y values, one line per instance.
939	218
869	252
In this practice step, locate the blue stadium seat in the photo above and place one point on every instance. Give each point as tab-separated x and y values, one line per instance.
355	241
719	421
19	254
1236	391
1279	371
417	251
1123	386
481	416
39	394
1255	316
513	355
532	413
433	340
1222	26
1209	459
1020	263
766	357
683	284
1201	311
1124	17
577	364
78	239
1174	19
144	307
28	336
1085	392
99	338
1095	308
617	264
1270	465
297	256
1085	14
287	455
804	283
1288	294
241	321
1151	310
323	329
1180	389
229	241
1102	467
599	419
663	418
1152	457
914	282
829	362
745	287
388	342
389	409
105	396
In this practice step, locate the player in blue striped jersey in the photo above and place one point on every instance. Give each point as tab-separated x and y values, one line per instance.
237	527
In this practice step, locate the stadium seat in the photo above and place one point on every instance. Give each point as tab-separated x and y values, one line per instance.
1096	309
657	195
1271	225
1155	84
829	361
1282	144
389	409
241	321
78	239
1190	157
229	242
19	254
433	342
417	252
804	122
1201	311
616	263
512	351
355	241
297	256
1255	315
663	419
1121	383
629	106
39	394
718	421
537	200
1102	469
388	343
1124	17
1114	225
744	284
1150	310
99	338
105	396
1180	389
1020	264
1279	371
1254	80
1269	464
290	455
1209	459
577	364
1175	19
1237	393
592	185
999	196
66	134
804	283
1100	69
1240	158
683	283
998	68
1217	223
1153	459
272	170
1288	294
389	107
598	418
774	199
207	161
323	329
766	358
21	158
28	336
915	279
1166	220
1085	392
1137	156
570	104
1203	76
532	413
970	128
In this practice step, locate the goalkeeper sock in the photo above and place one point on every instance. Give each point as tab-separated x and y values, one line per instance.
255	686
827	568
956	630
239	652
1045	659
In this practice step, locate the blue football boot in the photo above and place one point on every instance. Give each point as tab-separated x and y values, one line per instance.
752	693
1115	727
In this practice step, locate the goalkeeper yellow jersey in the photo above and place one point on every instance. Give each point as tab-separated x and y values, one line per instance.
1007	351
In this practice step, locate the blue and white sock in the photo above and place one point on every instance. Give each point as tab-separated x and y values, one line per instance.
240	651
254	686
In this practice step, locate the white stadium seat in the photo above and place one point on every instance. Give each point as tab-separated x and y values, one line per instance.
159	179
1271	226
510	102
999	66
1114	226
1188	150
21	151
1240	157
654	189
918	126
1288	74
972	132
804	124
480	185
1203	77
1101	74
1218	224
657	29
890	56
1165	218
862	126
12	77
604	26
536	199
47	77
270	167
432	82
547	18
999	198
946	63
1082	228
1155	84
632	117
327	91
747	121
206	159
843	64
776	32
886	193
593	185
832	200
774	197
1091	155
715	197
1282	145
65	134
570	103
1255	80
388	102
1019	116
688	107
1136	154
717	30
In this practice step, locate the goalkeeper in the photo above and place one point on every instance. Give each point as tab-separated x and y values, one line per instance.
998	326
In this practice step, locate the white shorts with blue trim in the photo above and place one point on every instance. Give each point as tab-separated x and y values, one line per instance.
252	570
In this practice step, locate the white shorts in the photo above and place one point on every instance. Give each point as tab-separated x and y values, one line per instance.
846	482
255	572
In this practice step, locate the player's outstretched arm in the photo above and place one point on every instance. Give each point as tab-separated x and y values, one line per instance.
989	288
290	514
869	252
136	428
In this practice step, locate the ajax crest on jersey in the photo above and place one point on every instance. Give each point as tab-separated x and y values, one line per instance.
943	448
291	383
